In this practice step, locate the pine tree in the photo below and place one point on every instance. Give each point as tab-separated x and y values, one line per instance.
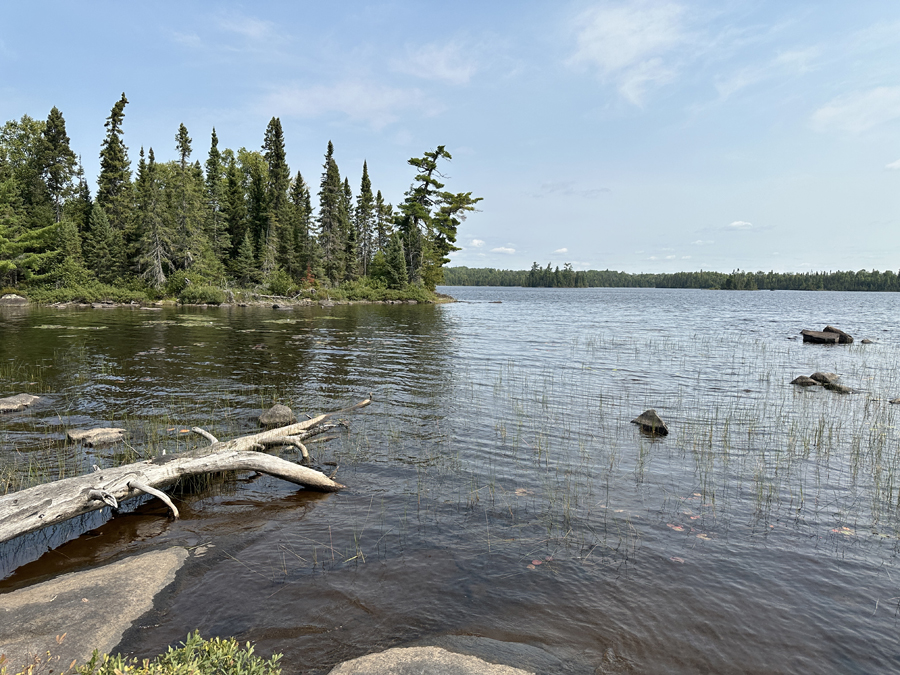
115	170
243	266
102	246
234	207
395	259
384	217
351	245
332	218
364	220
154	258
191	244
58	161
279	247
215	195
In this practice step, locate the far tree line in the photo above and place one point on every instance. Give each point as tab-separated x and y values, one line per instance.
738	280
241	218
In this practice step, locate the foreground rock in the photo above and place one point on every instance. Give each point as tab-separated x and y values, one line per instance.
651	422
93	608
17	402
419	660
843	338
277	416
93	437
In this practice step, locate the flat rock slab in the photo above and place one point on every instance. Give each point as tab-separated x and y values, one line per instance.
93	608
101	436
843	338
17	402
419	660
820	337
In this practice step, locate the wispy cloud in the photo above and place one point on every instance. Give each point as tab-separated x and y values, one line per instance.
503	249
703	242
569	189
627	43
375	105
739	225
859	111
893	166
561	250
449	62
477	243
248	27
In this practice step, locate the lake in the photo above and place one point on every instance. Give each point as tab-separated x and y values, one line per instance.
496	486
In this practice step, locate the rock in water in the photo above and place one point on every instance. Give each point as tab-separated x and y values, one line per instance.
843	338
13	299
820	337
825	378
866	341
277	416
650	421
804	381
839	388
17	402
94	437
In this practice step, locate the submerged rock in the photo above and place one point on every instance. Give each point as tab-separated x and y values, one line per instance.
825	378
277	416
100	436
17	402
651	422
839	388
843	338
804	381
866	341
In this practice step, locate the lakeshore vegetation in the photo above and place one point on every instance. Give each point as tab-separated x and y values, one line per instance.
241	220
738	280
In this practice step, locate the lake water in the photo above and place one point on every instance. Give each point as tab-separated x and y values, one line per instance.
496	485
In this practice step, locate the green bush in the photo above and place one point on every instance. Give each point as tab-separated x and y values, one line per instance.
201	295
92	292
196	656
279	282
180	280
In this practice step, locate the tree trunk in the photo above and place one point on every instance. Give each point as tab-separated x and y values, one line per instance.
51	503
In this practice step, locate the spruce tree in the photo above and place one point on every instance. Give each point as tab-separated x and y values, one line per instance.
364	220
217	231
351	245
243	266
102	247
191	243
115	170
332	219
279	246
384	217
59	165
154	259
234	207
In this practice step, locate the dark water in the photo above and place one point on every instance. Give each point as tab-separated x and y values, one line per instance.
497	487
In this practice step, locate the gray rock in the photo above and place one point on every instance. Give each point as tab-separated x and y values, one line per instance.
17	402
804	381
843	338
820	337
277	416
419	660
93	608
99	436
825	378
13	299
895	401
866	341
651	422
839	388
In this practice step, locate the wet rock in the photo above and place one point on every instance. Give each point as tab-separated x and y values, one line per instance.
825	378
895	401
820	337
651	422
99	436
843	338
17	402
804	381
866	341
277	416
413	660
13	299
839	388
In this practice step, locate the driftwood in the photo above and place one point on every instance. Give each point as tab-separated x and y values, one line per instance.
51	503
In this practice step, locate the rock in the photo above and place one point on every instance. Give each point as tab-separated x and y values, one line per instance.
839	388
804	381
820	337
866	341
895	401
277	416
13	299
93	608
17	402
99	436
417	660
843	338
824	378
651	422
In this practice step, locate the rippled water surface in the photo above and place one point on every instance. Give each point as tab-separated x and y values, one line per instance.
496	485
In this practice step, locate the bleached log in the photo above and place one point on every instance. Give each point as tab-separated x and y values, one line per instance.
52	503
203	432
159	494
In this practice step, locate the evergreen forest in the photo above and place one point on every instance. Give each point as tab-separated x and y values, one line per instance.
239	220
738	280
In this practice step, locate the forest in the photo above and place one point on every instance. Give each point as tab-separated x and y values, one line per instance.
738	280
240	220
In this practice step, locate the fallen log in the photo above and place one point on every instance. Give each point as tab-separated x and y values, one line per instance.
52	503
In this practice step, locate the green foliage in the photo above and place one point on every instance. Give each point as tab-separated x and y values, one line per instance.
181	280
201	295
279	282
196	656
93	291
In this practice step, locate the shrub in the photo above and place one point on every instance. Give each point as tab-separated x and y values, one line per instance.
280	283
201	295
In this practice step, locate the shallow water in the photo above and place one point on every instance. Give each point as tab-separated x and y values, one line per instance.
497	487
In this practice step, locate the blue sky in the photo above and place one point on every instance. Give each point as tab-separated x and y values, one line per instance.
641	136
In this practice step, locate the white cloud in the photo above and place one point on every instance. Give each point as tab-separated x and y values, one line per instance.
893	166
626	43
477	243
703	242
670	257
739	225
503	249
448	62
376	105
685	257
859	111
561	250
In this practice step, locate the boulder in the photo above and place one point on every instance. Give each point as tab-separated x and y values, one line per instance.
839	388
651	422
13	299
820	337
866	341
99	436
17	402
825	378
277	416
804	381
895	401
843	338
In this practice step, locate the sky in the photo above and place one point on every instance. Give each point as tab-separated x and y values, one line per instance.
640	136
